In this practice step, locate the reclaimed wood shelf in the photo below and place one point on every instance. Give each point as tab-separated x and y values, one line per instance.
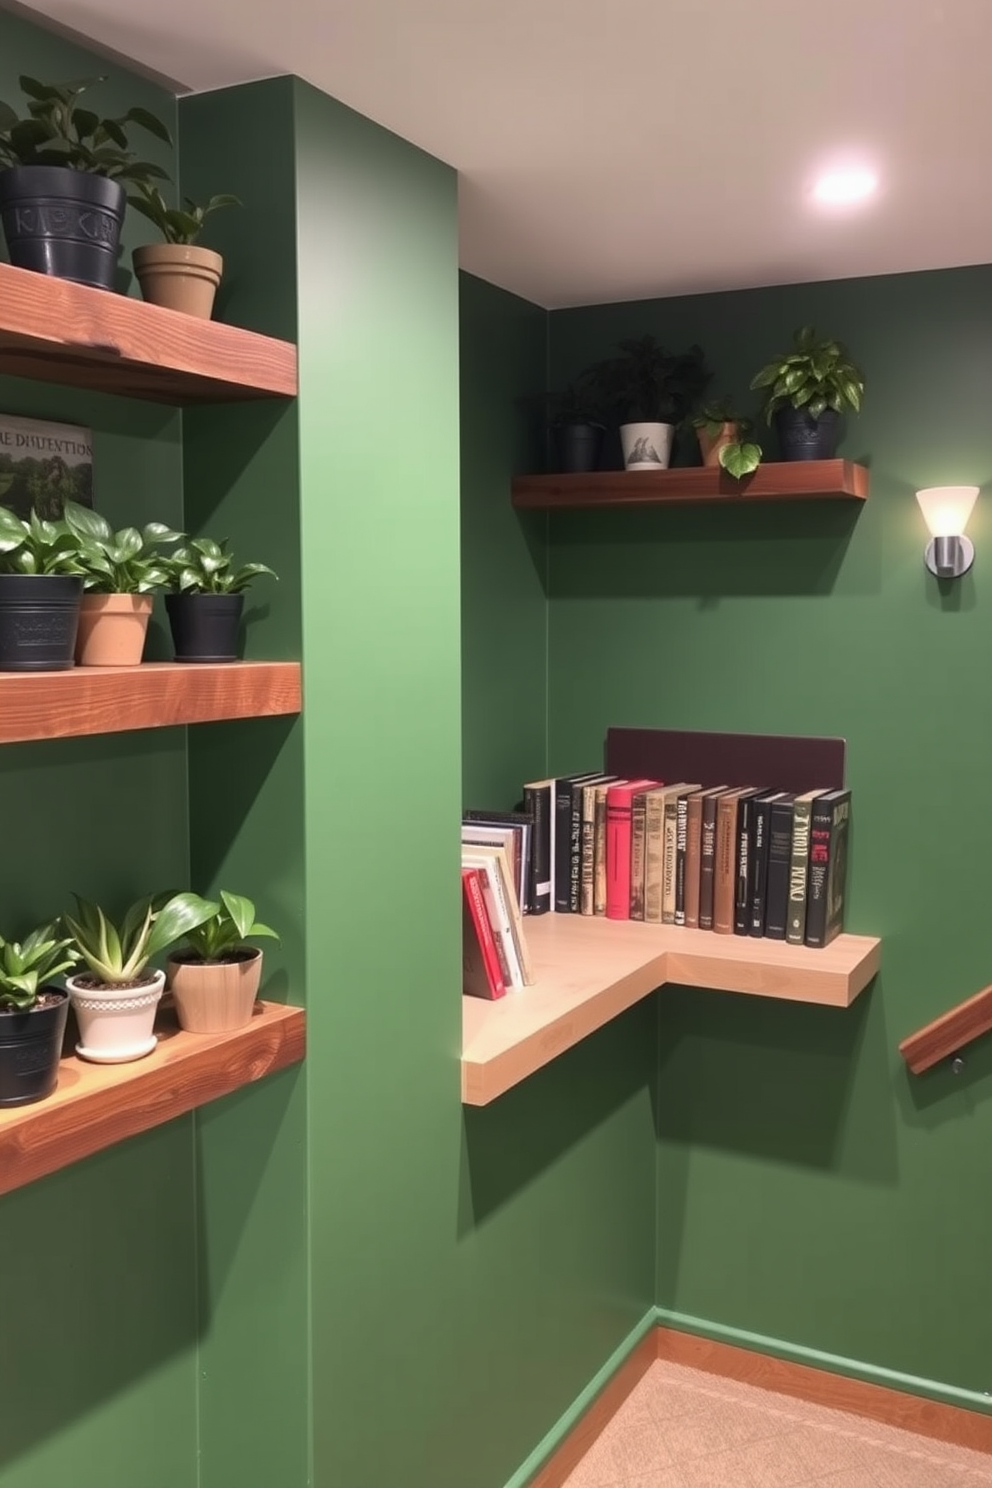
111	700
97	1105
55	331
793	480
591	970
948	1034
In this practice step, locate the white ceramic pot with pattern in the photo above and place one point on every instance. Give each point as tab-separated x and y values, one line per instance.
115	1023
646	446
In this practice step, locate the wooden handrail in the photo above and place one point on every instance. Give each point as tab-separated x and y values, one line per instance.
948	1033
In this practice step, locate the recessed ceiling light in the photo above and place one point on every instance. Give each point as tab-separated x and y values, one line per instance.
841	188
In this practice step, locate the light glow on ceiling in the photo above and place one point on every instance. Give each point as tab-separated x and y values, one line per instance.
844	186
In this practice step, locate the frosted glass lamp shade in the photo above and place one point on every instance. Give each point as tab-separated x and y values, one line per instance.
946	509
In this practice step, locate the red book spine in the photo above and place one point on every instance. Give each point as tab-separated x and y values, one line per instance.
472	887
619	811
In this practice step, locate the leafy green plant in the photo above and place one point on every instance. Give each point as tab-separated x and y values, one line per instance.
226	928
28	965
206	567
815	375
35	546
124	562
57	131
739	456
578	402
118	954
648	383
177	225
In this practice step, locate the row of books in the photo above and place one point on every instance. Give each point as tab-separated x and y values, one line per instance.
494	946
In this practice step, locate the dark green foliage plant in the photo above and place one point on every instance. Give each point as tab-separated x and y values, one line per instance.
35	546
177	224
647	383
815	375
206	567
124	562
57	131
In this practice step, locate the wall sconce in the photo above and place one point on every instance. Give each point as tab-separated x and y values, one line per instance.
946	510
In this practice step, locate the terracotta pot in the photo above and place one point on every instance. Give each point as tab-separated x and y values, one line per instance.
710	445
214	997
179	276
112	629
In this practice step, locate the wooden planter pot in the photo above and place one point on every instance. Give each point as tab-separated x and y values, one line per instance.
215	997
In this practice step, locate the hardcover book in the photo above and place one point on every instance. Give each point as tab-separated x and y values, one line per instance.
725	860
499	924
504	912
693	853
744	878
802	810
619	805
514	837
779	863
481	972
599	852
538	800
681	843
592	823
654	852
707	858
828	837
562	855
759	857
575	840
43	465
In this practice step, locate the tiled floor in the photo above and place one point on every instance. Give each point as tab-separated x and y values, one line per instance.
684	1429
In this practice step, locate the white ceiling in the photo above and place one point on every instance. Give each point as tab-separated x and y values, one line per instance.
642	147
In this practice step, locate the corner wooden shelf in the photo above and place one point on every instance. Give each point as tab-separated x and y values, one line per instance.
110	700
589	971
55	331
97	1105
794	480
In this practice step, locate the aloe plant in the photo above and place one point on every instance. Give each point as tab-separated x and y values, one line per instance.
205	567
57	131
119	953
124	562
225	928
177	224
28	965
35	546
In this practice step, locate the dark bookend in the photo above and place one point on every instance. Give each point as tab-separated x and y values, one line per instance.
654	853
693	854
707	858
638	849
599	852
561	876
515	837
802	811
681	844
828	836
504	912
482	975
619	804
575	840
725	860
759	859
779	863
538	800
744	872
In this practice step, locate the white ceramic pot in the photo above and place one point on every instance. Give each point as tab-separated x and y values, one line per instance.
115	1023
646	446
215	997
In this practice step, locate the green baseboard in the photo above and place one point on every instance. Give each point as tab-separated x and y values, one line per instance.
795	1353
549	1444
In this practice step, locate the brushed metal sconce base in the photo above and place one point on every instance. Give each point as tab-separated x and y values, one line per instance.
949	557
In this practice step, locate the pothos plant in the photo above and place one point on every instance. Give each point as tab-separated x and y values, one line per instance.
57	131
206	567
124	562
739	456
36	546
28	965
815	375
177	224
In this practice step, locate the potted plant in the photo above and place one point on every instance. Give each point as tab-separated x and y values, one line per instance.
723	441
649	391
120	572
206	597
62	200
214	979
177	273
806	391
32	1014
577	419
115	999
40	592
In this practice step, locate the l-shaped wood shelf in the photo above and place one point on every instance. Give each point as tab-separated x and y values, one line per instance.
97	1105
55	331
110	700
590	970
793	480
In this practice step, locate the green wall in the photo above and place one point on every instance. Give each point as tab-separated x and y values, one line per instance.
809	1190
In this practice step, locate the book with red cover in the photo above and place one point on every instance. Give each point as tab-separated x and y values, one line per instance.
481	974
619	806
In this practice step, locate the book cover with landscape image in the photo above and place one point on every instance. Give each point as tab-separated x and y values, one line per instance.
43	465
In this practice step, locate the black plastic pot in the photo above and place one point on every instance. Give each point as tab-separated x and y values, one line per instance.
579	447
39	616
205	626
62	222
30	1050
802	437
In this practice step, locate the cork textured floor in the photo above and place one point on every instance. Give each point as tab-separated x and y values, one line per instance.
681	1428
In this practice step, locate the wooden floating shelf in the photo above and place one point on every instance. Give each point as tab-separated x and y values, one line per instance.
97	1105
55	331
794	480
591	970
110	700
949	1034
